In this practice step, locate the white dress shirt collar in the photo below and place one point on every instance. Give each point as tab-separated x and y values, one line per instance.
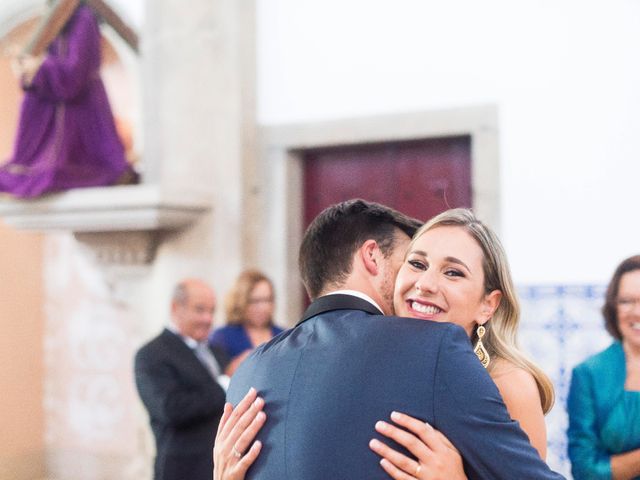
191	343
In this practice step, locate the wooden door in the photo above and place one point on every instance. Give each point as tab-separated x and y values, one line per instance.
420	178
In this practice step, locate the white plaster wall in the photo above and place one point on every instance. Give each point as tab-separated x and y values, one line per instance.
131	10
563	75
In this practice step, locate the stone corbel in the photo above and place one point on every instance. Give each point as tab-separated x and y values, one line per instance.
120	248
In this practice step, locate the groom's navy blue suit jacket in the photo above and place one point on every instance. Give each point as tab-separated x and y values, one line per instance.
345	366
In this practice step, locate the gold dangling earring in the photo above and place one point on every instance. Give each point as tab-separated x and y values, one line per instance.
479	349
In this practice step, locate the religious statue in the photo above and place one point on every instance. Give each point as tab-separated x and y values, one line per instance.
66	136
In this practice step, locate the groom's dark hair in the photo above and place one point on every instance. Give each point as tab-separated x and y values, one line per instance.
328	246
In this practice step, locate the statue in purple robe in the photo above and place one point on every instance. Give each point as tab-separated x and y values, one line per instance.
66	136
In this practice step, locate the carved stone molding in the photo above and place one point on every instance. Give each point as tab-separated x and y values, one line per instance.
122	225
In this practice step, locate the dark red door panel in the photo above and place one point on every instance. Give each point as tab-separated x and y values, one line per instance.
420	178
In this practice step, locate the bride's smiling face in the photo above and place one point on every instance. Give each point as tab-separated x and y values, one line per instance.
442	280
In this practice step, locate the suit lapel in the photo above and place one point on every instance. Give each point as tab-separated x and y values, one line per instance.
338	301
184	354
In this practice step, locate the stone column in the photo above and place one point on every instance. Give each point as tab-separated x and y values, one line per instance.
199	129
93	315
199	122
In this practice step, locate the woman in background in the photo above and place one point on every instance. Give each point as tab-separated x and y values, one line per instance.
604	398
249	309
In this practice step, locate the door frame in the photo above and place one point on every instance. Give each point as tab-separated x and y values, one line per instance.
275	212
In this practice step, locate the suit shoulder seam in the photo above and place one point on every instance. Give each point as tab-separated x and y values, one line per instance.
286	415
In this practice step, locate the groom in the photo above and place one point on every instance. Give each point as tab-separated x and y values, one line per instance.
345	366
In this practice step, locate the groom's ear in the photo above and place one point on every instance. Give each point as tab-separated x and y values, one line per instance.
369	254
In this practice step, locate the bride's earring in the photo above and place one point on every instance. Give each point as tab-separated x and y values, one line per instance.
479	349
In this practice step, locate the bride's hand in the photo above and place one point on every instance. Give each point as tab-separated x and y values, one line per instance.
437	458
238	427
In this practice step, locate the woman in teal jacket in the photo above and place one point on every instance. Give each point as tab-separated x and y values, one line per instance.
604	398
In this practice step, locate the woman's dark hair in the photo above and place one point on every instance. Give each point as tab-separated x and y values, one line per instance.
610	309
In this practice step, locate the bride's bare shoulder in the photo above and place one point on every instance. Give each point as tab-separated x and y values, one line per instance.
515	383
520	393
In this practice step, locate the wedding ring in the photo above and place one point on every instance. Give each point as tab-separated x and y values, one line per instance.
236	453
417	470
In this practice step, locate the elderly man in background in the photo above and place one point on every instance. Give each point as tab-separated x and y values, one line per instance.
180	382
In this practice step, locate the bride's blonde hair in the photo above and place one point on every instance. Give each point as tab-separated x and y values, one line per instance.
500	338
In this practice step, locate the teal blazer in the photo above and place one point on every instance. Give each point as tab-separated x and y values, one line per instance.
604	419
